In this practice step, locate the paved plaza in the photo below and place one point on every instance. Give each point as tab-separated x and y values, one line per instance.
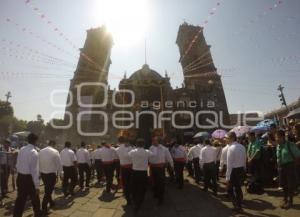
189	202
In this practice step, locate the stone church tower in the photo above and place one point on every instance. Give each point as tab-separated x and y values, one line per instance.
93	66
200	73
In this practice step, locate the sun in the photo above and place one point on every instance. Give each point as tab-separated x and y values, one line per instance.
127	20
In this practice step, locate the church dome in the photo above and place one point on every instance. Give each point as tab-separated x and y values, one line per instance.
145	73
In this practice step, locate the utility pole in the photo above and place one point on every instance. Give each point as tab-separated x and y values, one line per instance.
281	96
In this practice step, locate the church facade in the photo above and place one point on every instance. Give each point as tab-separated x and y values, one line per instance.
145	103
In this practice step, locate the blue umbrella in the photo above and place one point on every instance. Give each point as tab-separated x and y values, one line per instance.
260	129
266	123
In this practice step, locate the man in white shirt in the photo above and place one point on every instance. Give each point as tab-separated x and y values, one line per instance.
117	166
179	155
50	166
28	177
98	163
161	156
126	166
194	154
236	167
84	163
208	158
69	163
140	160
108	155
223	160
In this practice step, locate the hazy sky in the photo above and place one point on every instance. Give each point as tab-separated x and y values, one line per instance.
254	48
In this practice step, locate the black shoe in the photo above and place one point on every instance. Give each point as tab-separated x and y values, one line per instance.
52	204
237	209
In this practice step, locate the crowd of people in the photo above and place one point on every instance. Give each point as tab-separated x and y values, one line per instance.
259	160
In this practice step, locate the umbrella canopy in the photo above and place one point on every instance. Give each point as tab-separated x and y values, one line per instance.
22	134
260	129
240	130
294	114
203	135
219	134
266	123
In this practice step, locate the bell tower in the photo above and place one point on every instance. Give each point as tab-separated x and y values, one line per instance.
93	66
200	73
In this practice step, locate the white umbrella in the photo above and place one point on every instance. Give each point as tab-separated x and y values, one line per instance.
240	130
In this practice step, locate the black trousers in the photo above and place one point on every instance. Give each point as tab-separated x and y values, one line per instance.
26	188
237	178
288	180
197	170
255	169
210	176
99	169
69	174
117	168
158	176
178	167
4	178
170	173
109	174
49	180
126	174
217	169
189	167
84	170
139	181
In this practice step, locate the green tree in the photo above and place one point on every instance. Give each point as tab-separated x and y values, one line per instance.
37	126
51	131
6	117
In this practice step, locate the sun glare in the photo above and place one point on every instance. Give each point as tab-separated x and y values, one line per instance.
127	20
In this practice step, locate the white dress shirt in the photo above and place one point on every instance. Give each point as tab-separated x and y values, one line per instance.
236	157
179	153
49	159
223	160
28	164
161	155
140	159
208	154
122	153
107	154
96	155
83	156
194	151
67	157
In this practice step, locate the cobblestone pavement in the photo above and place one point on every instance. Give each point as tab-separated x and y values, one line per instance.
189	202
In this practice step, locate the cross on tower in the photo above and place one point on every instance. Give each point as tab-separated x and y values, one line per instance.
8	95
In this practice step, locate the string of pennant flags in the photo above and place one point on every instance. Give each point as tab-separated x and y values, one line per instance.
51	24
27	56
59	32
30	32
199	62
89	60
40	38
26	49
204	61
255	19
204	24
